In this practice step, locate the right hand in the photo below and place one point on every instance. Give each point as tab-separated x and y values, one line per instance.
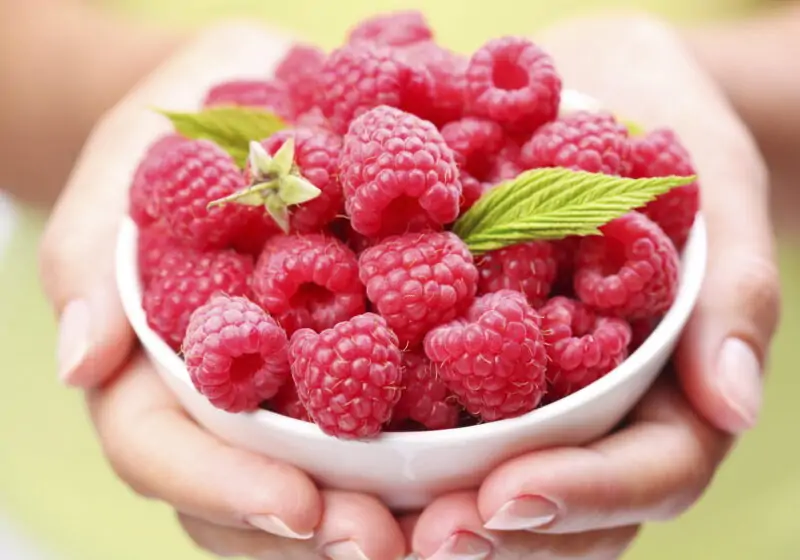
231	502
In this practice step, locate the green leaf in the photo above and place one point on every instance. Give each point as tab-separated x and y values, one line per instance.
634	128
232	128
553	203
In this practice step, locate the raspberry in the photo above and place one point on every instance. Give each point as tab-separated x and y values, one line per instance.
529	268
513	82
593	142
262	94
447	70
349	377
425	398
236	355
661	154
299	70
154	242
631	271
313	118
142	204
506	164
287	402
398	174
581	347
308	281
471	191
396	29
190	176
317	157
184	280
493	360
356	79
475	143
419	280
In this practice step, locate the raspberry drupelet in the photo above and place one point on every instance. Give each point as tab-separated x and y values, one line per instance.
529	268
271	95
425	399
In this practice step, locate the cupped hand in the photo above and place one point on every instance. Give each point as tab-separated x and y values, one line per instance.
588	502
231	502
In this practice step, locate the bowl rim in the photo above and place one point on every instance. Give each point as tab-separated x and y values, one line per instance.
693	268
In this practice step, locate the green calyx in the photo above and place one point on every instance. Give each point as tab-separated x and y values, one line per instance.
276	184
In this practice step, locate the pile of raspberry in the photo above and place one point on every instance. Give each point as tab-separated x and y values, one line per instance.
370	314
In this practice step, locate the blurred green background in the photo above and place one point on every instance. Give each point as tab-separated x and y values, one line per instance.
56	485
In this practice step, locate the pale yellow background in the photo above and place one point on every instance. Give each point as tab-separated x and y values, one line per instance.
54	480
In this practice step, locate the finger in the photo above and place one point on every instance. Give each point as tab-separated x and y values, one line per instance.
722	354
353	527
451	529
652	470
78	245
162	454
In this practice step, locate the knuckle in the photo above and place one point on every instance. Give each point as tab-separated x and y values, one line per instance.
758	288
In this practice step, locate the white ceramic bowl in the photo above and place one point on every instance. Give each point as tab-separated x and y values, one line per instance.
407	470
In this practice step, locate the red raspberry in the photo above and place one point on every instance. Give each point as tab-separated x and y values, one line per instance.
299	70
593	142
236	354
529	268
313	118
398	174
493	360
475	143
261	94
317	158
447	70
471	191
419	280
349	377
661	154
581	347
184	280
506	164
190	176
142	203
631	271
396	29
357	78
308	281
287	402
154	242
513	82
425	397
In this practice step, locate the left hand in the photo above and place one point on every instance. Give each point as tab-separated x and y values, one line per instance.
588	502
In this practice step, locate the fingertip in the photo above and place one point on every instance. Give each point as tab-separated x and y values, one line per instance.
451	527
358	527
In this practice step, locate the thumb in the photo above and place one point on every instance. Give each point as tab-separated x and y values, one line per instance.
77	249
723	350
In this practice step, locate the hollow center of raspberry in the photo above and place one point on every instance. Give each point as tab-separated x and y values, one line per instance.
311	297
403	214
508	74
615	256
244	367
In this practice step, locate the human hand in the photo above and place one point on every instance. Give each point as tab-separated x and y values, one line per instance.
588	502
231	502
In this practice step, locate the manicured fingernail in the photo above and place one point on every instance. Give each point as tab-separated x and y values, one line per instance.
522	513
464	545
739	378
343	550
73	339
276	526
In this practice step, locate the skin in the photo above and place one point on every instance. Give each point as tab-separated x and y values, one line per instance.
654	468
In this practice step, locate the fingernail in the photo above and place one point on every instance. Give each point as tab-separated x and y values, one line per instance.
464	545
276	526
344	550
522	513
739	378
73	339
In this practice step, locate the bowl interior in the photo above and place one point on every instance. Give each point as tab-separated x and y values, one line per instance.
692	273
